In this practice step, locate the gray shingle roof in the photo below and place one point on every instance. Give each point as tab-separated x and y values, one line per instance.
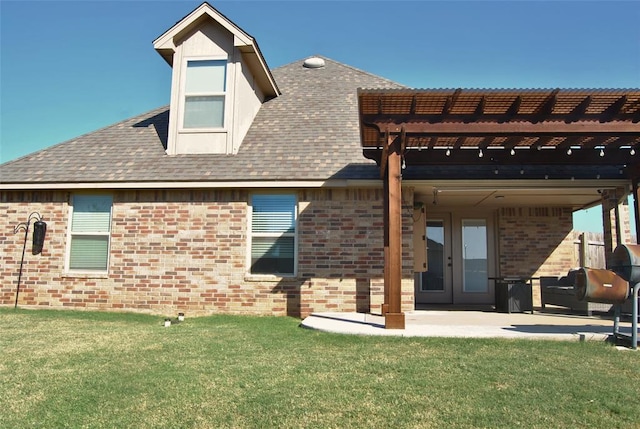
310	132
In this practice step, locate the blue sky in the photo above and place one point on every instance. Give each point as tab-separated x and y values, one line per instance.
70	67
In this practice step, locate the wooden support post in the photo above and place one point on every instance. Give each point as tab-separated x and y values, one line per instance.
636	197
385	220
394	318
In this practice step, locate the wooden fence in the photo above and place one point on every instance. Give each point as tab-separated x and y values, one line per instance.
588	249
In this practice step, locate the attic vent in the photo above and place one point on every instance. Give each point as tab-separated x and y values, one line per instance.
313	63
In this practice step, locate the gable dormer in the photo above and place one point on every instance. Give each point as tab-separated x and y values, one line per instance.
219	81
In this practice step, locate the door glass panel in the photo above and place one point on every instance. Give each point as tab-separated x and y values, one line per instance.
433	278
474	255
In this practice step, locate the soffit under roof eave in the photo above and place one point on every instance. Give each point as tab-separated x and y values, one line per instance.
260	70
478	184
257	184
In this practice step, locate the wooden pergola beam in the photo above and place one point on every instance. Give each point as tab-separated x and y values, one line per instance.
507	129
559	156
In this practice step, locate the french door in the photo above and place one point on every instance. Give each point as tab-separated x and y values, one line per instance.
460	260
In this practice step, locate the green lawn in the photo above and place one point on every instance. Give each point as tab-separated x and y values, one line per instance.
82	369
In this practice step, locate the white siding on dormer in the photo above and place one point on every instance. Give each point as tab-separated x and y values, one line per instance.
207	41
207	34
243	98
248	100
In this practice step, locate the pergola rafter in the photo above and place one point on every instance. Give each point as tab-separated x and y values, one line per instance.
545	108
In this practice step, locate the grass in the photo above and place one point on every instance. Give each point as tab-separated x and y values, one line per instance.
94	370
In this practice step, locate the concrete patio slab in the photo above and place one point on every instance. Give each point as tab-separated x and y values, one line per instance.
471	324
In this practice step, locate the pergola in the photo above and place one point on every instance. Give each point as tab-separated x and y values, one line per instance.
580	129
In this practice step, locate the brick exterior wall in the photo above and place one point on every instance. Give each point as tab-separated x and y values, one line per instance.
186	251
534	242
341	249
37	287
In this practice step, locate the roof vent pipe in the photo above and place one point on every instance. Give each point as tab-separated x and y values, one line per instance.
313	63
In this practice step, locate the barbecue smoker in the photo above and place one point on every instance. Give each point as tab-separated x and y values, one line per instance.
614	286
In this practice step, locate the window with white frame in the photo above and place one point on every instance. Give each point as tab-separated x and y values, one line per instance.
273	234
90	231
205	87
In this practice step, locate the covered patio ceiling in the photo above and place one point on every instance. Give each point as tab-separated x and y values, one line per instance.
496	195
503	127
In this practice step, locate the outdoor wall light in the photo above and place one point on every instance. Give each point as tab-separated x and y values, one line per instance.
448	152
39	231
569	151
601	152
513	151
480	154
632	151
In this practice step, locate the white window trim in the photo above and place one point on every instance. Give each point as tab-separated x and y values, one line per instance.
67	260
249	276
183	95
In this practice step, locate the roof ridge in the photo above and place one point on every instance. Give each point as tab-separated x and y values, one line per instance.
88	133
348	66
363	71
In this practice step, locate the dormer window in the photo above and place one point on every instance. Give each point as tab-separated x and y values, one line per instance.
205	90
